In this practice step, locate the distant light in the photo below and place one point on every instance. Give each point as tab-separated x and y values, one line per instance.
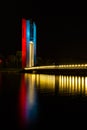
0	61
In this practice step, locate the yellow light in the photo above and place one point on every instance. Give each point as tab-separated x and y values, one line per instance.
37	79
70	65
60	83
82	84
86	85
64	82
67	81
31	88
79	65
69	84
79	84
75	65
75	83
47	82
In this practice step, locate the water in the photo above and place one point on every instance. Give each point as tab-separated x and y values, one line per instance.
41	101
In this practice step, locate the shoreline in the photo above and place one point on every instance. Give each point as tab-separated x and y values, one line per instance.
10	70
57	71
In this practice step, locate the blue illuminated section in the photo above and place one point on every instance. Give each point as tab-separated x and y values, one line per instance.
30	36
34	40
31	31
28	41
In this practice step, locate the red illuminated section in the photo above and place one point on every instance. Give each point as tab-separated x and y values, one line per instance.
23	43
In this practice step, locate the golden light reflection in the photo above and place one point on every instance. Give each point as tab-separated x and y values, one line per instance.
79	85
45	81
31	89
60	81
69	84
30	83
75	83
73	88
82	84
72	84
65	84
86	85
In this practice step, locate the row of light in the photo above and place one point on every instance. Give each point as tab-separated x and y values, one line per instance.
74	65
58	66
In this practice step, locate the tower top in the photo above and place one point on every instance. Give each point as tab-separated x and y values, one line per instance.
31	42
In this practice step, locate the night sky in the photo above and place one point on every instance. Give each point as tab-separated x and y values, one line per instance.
61	29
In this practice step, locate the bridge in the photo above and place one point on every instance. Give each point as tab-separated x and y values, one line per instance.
71	66
77	69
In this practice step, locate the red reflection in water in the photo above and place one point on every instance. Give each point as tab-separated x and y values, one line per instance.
22	102
27	102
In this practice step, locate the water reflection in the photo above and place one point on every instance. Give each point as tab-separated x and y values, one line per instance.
27	100
65	84
41	83
73	84
46	83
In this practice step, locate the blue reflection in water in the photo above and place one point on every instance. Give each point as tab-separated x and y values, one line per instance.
28	100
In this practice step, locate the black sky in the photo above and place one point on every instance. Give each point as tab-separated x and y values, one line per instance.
61	28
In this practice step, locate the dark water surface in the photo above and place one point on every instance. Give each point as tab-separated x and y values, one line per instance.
41	101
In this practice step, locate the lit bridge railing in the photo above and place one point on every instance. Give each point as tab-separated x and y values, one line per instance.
71	66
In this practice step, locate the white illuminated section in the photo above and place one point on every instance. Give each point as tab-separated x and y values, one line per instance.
31	54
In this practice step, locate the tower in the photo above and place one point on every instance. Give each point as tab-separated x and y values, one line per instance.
28	43
31	54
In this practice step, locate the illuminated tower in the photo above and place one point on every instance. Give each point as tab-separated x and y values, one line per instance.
28	41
